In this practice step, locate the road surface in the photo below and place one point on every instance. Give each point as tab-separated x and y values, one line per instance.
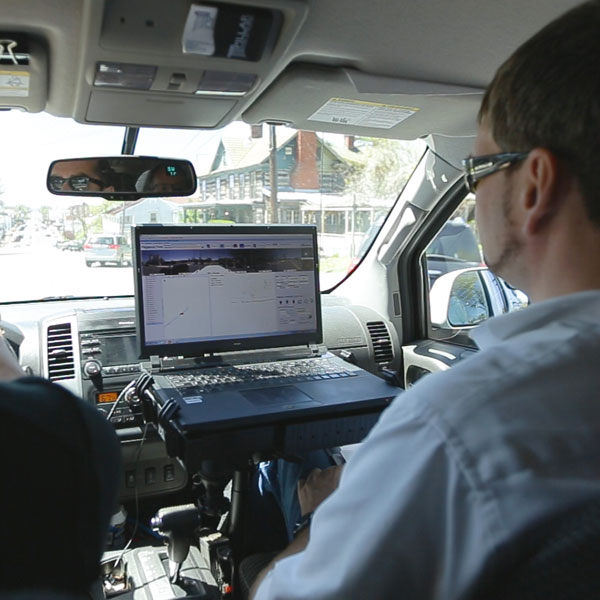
38	271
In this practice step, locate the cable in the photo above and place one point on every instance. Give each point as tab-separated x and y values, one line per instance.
140	385
120	397
137	505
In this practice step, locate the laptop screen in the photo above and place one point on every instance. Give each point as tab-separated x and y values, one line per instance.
204	288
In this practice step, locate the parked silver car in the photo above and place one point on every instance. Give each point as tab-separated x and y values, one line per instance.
105	248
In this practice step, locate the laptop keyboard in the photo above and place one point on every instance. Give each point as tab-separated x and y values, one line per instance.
256	375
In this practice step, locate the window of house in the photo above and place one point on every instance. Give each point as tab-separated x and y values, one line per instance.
242	186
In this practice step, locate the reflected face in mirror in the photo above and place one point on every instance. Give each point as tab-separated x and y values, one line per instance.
165	179
82	176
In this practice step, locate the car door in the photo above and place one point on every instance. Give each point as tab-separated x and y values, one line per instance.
458	291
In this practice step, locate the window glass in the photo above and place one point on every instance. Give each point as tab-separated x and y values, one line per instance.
101	240
477	294
344	185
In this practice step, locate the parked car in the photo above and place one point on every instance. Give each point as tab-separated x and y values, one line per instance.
105	248
71	245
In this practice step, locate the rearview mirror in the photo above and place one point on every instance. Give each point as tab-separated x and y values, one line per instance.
122	177
458	299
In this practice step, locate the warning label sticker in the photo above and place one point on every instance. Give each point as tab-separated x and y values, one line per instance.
14	83
364	114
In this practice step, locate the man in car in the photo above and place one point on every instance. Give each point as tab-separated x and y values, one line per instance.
61	465
163	179
460	465
90	175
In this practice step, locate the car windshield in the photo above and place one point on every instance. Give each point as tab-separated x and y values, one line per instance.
61	246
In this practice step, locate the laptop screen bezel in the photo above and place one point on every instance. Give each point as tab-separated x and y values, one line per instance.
204	347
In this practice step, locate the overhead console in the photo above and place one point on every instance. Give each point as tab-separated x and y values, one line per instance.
180	64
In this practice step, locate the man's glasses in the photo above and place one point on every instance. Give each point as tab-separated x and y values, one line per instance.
78	183
478	167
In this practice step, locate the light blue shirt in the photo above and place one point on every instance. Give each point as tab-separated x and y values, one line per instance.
461	463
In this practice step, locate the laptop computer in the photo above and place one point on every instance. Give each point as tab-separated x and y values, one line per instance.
232	315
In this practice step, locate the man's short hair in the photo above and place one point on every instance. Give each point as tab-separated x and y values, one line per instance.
547	95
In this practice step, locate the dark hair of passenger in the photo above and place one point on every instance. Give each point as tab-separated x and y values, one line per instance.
108	175
547	95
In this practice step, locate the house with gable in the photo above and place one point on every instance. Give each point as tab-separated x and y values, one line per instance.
312	186
147	210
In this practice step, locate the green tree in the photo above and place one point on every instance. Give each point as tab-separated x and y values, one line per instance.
45	214
79	213
384	168
21	214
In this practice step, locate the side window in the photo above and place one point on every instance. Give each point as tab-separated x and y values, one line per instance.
456	246
462	290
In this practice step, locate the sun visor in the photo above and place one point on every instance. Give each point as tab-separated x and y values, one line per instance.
340	100
23	72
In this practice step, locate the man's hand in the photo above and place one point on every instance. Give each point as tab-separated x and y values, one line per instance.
311	492
9	365
317	486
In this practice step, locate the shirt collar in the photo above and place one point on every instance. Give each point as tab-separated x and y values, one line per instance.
583	306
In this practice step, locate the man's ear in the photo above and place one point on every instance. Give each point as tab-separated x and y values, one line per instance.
540	179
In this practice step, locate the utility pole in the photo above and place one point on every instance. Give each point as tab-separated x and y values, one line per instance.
273	204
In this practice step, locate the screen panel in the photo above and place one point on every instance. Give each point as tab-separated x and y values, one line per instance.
203	288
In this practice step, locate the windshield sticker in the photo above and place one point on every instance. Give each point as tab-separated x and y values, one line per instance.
341	111
198	35
14	83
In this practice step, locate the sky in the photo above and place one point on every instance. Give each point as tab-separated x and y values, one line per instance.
30	142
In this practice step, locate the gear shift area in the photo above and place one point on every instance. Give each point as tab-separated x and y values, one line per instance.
178	525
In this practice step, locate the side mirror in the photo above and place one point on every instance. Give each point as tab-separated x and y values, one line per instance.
122	177
458	300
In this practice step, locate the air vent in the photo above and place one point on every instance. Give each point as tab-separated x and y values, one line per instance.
382	343
61	364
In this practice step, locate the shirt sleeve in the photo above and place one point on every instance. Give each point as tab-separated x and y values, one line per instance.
395	526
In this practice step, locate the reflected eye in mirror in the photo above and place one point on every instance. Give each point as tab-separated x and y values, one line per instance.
77	183
122	177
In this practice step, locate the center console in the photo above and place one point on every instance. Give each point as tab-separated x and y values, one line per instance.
108	358
105	342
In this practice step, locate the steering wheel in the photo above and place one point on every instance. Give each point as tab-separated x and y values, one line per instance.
13	336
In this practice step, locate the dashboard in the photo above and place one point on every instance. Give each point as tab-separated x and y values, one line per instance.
90	348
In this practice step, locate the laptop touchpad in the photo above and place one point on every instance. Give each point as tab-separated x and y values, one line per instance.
282	397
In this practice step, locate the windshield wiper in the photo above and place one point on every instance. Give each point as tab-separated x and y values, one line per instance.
71	297
59	298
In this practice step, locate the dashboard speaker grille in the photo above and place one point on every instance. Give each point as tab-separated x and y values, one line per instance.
61	364
382	343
